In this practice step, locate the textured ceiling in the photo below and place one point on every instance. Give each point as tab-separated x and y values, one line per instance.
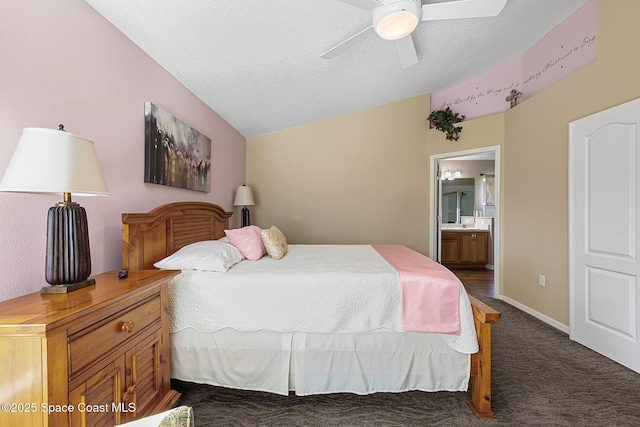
257	63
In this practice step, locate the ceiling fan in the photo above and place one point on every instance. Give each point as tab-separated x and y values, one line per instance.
396	19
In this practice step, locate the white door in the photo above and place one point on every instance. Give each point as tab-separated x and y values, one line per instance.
603	223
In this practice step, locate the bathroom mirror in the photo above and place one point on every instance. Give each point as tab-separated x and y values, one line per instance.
458	199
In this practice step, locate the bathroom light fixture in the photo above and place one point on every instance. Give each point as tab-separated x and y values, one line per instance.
395	20
49	161
244	197
457	173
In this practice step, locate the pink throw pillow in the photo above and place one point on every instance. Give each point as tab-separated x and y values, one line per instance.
248	240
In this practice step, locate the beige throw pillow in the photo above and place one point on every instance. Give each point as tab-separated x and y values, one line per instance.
274	242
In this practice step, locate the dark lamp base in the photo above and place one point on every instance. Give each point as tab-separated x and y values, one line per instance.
68	256
245	217
65	289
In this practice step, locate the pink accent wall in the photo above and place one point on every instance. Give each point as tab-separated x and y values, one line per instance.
62	62
484	94
570	46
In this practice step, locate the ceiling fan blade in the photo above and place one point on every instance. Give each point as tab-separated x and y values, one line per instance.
462	9
406	52
350	42
362	4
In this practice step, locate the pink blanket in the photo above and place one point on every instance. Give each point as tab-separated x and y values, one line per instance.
429	291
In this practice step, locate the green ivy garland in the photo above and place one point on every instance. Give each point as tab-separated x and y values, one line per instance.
445	120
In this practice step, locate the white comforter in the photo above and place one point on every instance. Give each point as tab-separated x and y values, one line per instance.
314	288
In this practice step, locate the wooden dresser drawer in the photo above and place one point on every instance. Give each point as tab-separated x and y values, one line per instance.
68	351
90	344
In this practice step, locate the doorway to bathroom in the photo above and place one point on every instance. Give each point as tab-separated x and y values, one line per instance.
464	218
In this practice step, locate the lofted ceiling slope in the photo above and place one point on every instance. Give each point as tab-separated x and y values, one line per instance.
257	63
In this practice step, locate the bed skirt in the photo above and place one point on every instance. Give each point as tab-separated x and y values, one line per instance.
315	363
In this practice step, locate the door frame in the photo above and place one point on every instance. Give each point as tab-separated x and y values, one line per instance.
434	205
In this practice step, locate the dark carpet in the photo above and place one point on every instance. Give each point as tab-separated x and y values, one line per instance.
540	378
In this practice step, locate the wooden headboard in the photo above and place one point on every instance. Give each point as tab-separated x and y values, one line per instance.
149	237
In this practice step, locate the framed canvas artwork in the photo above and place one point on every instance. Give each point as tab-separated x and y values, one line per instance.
176	154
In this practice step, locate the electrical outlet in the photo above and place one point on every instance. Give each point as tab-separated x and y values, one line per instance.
541	280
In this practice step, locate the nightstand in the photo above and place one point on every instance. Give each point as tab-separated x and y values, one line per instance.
96	356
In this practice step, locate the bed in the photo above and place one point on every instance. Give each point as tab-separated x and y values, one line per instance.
221	337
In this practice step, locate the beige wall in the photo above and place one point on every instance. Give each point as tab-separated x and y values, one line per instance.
364	177
356	178
535	190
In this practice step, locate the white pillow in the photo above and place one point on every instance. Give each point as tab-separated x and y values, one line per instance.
209	255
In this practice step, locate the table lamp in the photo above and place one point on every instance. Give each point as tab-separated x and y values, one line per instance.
50	161
244	197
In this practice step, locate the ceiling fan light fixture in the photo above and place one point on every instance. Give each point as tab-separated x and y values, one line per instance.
397	19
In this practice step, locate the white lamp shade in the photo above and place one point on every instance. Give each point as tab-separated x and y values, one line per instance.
54	161
244	196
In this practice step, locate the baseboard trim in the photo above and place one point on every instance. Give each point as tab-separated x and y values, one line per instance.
546	319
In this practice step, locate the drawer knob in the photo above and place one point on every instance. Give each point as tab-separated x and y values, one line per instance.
127	326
